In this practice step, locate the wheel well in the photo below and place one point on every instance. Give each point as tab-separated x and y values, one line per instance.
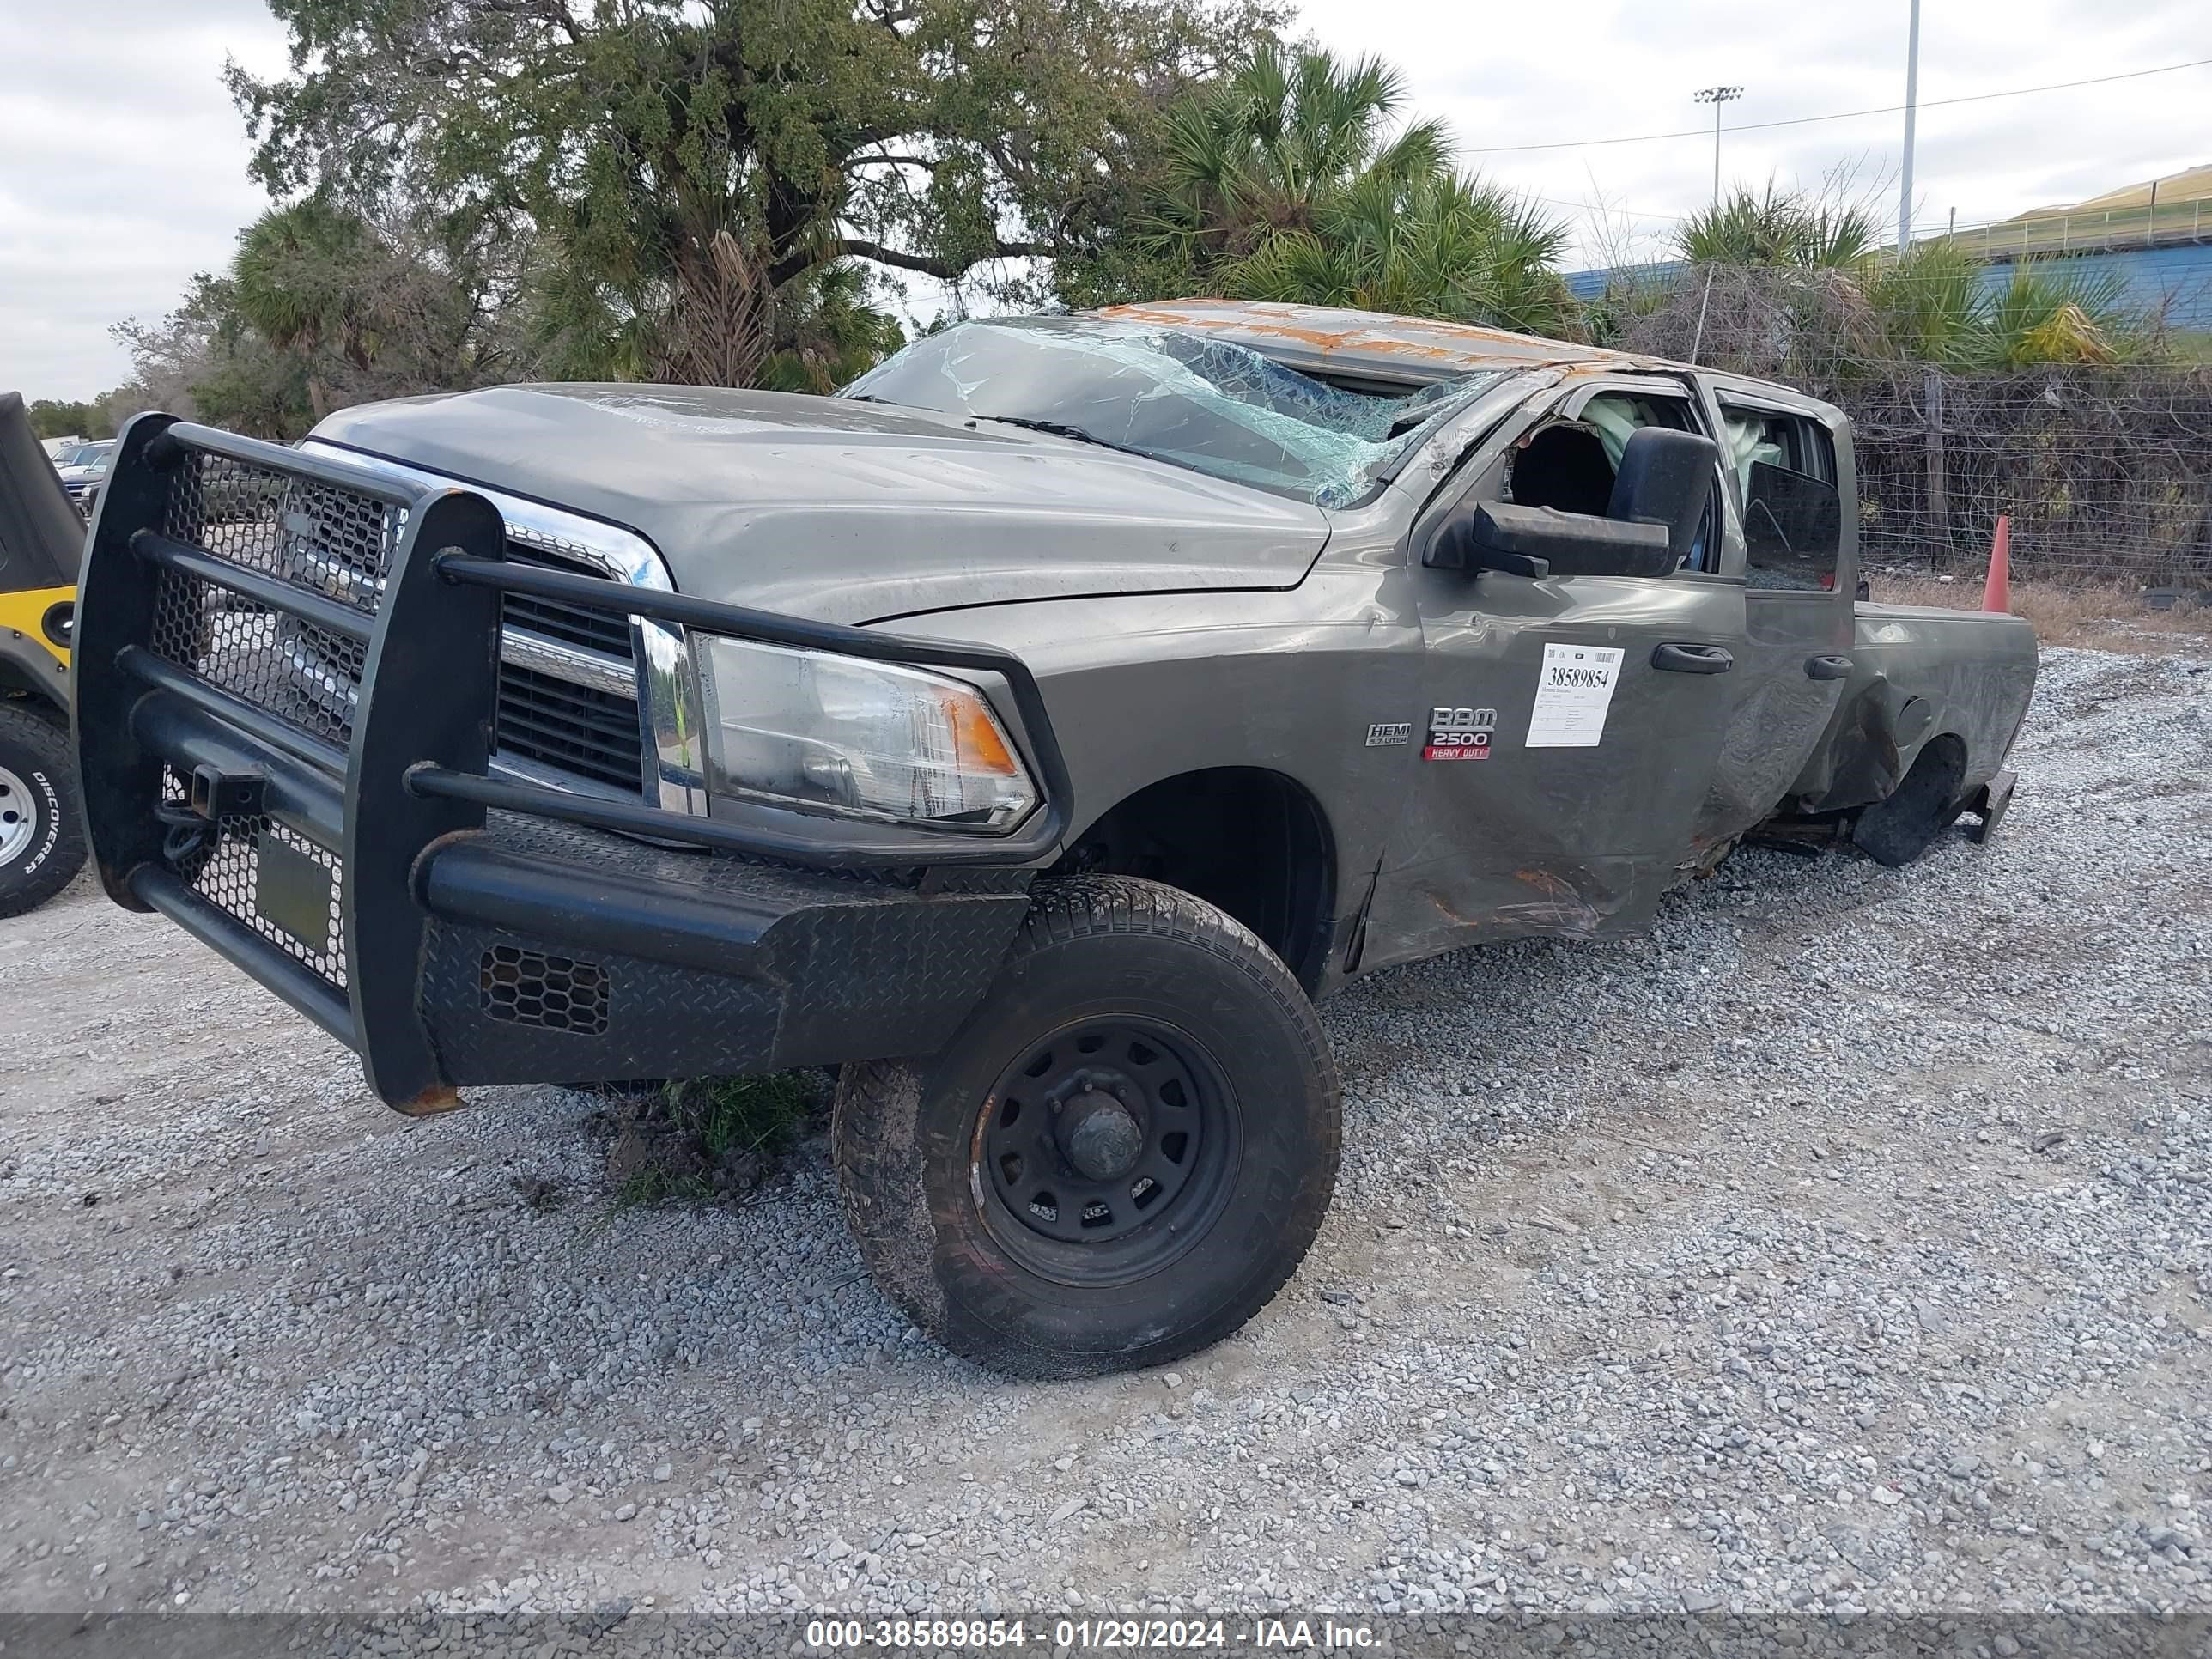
36	695
1251	843
1944	754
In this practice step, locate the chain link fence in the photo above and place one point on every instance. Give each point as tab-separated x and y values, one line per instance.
2105	467
2106	474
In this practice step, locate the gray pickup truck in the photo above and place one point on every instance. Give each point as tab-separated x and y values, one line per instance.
1037	730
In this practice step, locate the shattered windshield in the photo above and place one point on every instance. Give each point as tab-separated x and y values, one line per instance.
1207	404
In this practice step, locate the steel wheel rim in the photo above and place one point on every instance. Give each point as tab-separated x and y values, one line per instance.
1127	1130
18	817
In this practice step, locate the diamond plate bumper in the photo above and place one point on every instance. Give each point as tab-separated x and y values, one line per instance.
560	954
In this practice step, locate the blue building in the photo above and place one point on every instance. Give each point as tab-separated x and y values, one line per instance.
2156	238
2175	279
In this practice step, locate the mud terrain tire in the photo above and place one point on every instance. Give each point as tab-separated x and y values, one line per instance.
1140	1046
41	821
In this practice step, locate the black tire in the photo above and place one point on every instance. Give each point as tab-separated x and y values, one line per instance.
41	820
1218	1038
1897	830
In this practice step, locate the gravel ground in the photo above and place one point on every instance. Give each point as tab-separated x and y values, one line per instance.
1847	1245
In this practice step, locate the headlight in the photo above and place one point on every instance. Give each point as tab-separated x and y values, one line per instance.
840	735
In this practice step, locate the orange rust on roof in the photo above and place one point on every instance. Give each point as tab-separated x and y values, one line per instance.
1330	331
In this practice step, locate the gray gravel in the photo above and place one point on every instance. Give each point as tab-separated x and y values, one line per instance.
1845	1245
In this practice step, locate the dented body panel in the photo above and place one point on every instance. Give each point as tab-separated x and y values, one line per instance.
1179	624
1484	754
1921	674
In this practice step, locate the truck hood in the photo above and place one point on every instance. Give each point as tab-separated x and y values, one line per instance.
846	511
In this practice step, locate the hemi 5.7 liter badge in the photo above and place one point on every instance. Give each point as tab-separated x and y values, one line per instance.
1459	734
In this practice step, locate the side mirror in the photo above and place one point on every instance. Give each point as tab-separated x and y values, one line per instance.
1542	541
1666	477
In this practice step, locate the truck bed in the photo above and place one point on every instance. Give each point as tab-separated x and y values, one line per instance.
1921	675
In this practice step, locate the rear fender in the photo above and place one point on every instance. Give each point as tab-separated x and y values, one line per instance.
1870	746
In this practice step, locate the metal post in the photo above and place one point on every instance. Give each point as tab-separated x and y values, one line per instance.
1939	482
1911	110
1717	96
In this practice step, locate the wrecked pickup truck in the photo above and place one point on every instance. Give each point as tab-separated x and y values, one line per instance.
1035	730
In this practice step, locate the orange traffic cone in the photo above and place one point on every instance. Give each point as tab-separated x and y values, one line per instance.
1996	594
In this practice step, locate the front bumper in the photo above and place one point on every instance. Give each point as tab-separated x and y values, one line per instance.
452	927
554	954
557	954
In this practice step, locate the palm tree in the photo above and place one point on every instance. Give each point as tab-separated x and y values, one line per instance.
297	280
1935	305
2060	316
1265	151
1781	227
1436	244
1287	182
1929	304
828	332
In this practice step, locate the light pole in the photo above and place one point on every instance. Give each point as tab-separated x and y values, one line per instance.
1911	108
1717	96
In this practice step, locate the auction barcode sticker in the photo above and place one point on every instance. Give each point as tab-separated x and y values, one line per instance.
1574	688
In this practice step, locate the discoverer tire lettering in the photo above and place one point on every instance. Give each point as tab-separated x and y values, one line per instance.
35	763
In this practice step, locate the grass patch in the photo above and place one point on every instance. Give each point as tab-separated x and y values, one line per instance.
708	1140
2099	618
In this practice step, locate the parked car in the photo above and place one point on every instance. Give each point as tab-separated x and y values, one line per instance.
41	543
84	470
1037	730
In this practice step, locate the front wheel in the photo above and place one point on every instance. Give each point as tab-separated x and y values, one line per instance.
1118	1160
41	823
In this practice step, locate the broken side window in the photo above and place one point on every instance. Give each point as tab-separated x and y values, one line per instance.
1792	514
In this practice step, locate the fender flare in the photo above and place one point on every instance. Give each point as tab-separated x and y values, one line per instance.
33	660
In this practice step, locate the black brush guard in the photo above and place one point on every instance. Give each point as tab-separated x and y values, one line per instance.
472	929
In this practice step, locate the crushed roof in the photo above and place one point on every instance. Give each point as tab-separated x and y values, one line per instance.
1419	345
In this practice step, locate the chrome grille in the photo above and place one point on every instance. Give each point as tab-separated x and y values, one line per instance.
569	681
317	537
568	699
568	685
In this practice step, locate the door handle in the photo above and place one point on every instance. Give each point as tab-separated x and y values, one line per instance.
1676	659
1827	668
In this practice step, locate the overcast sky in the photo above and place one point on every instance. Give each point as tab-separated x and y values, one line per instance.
123	164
